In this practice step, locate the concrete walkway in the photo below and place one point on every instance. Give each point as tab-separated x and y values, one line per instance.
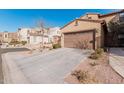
49	67
116	59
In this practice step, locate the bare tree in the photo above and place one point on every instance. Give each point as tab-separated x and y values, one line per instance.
40	24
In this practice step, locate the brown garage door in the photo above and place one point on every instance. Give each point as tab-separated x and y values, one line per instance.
80	39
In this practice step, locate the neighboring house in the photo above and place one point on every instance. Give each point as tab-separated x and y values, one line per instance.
56	39
33	35
36	38
23	34
1	36
54	34
7	37
12	36
89	31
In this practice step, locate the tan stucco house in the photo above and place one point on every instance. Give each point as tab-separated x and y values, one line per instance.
7	37
89	30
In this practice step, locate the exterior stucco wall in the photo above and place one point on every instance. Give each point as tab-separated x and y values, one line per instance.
8	36
83	17
1	37
55	31
83	25
38	39
108	18
62	40
23	34
92	16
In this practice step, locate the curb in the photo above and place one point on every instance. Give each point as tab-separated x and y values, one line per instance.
113	62
12	74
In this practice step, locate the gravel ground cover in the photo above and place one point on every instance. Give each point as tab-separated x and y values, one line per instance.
102	72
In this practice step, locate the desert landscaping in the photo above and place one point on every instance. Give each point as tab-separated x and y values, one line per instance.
85	50
94	71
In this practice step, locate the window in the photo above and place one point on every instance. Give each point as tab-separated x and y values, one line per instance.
34	39
76	23
28	37
28	31
120	36
122	17
89	17
5	35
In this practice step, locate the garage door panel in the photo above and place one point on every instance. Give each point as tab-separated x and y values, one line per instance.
74	39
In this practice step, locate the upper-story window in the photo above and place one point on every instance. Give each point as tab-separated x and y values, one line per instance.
121	17
76	23
89	17
28	37
28	31
5	35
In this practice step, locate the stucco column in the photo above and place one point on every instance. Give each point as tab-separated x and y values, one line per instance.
62	40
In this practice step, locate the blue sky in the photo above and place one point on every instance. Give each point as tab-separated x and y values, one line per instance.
11	20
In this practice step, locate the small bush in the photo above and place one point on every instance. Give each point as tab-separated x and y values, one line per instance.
84	77
80	75
93	63
55	46
99	51
94	56
14	42
23	42
50	48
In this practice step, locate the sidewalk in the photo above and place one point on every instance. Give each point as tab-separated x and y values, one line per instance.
116	60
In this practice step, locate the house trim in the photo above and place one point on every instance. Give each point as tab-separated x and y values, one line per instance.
84	31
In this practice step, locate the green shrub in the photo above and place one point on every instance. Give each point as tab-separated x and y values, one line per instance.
55	46
99	51
14	42
94	56
50	48
23	42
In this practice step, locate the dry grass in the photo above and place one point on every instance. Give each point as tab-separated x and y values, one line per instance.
97	54
84	77
93	63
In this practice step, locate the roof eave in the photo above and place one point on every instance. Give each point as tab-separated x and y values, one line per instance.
86	30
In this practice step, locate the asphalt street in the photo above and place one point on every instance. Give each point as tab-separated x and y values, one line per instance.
5	50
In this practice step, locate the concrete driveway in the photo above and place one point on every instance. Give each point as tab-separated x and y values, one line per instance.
49	67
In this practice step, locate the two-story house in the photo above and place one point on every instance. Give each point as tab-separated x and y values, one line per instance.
90	30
